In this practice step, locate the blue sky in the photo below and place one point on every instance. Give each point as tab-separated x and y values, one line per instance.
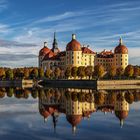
26	24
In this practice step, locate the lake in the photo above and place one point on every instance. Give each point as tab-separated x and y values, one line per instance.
69	113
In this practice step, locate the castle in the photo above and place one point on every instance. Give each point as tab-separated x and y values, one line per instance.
78	55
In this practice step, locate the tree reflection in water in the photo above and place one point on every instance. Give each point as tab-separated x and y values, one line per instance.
76	104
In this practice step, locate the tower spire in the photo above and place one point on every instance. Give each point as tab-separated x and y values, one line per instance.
55	44
121	41
121	123
74	129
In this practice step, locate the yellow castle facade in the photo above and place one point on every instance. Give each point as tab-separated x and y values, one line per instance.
77	55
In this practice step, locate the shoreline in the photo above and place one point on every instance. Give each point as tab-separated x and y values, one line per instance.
96	84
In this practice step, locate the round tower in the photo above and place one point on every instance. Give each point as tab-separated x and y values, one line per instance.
121	109
44	51
121	55
73	53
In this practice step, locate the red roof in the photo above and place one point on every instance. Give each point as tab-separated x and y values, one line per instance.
87	50
44	51
106	54
121	114
74	119
73	45
121	49
49	56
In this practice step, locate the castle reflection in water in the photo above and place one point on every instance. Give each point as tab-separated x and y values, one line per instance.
77	104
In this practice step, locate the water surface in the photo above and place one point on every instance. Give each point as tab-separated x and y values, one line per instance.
42	114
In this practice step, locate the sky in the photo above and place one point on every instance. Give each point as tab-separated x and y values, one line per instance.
26	24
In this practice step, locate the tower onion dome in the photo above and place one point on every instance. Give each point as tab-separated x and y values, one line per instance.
121	115
121	49
44	113
73	45
45	50
74	119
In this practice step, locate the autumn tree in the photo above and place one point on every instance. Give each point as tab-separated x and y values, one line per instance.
120	72
34	73
41	73
2	73
112	71
99	71
57	72
129	97
136	71
26	73
48	73
81	71
99	98
68	72
129	71
89	71
74	72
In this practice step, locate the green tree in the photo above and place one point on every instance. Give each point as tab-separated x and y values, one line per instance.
10	92
81	72
9	74
68	72
89	71
74	72
129	71
120	72
99	71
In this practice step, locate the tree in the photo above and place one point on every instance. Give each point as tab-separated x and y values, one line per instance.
99	71
9	74
57	72
99	98
89	71
68	72
136	71
112	71
120	72
26	73
41	73
34	73
129	97
10	92
129	71
81	72
74	96
2	73
48	73
74	72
